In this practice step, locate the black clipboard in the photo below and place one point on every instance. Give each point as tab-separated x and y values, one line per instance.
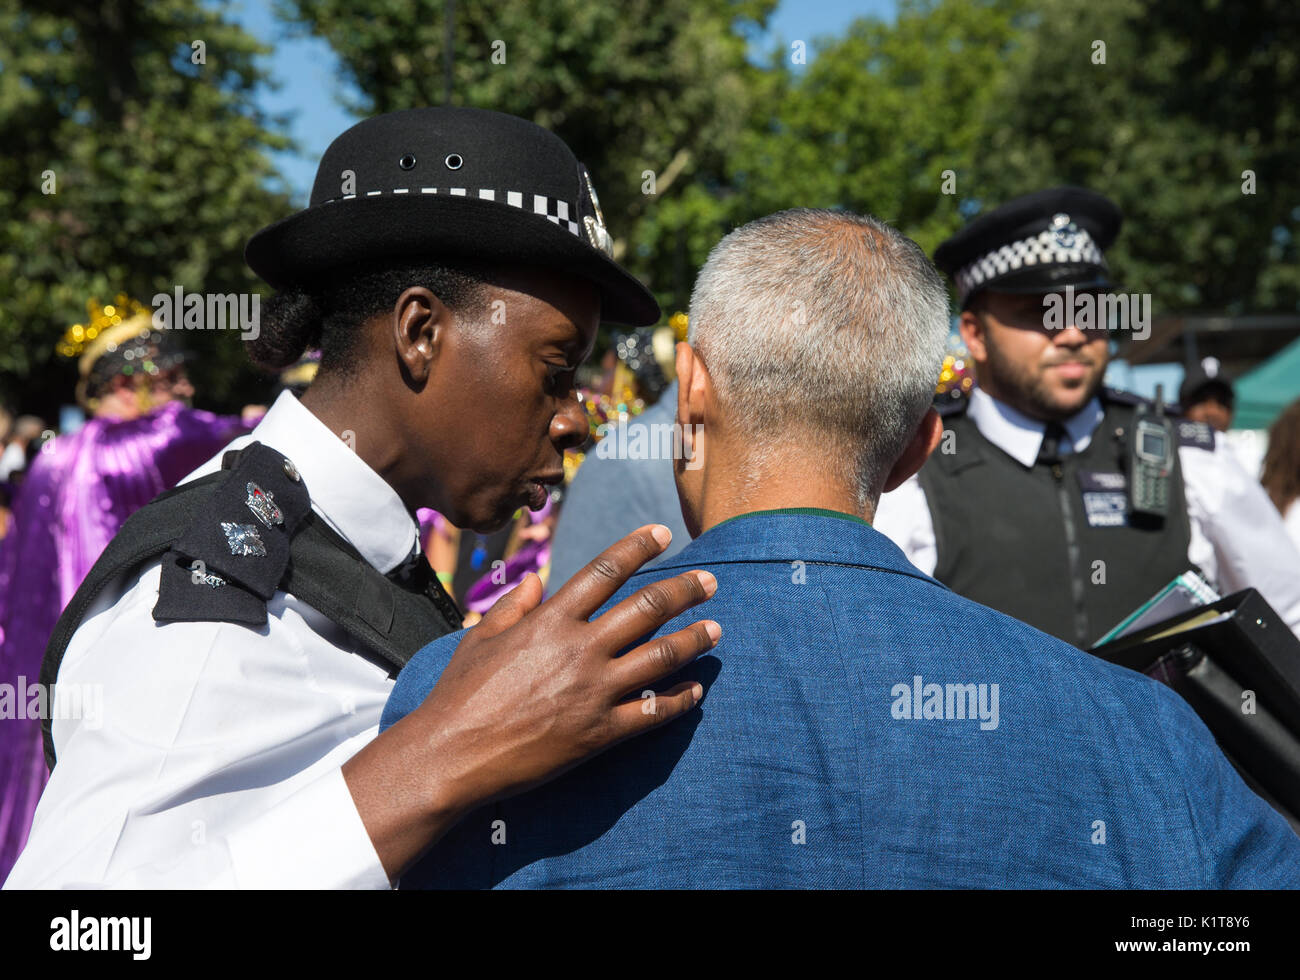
1212	656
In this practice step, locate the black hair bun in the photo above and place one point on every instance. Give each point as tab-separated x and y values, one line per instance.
291	323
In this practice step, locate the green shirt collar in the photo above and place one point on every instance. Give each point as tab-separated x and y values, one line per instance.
819	511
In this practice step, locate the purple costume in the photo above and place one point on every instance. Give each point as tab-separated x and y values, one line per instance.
76	495
532	556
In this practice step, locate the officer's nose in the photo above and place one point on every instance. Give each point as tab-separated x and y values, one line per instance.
569	426
1070	336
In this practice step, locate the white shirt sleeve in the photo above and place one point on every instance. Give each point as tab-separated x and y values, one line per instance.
903	516
1238	536
206	754
1292	521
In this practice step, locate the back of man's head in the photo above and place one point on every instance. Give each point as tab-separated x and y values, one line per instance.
823	332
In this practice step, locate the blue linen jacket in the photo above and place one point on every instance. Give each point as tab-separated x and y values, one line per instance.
863	726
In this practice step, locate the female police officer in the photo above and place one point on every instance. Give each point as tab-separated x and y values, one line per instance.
243	631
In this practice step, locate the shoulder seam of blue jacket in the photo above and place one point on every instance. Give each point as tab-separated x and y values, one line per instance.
860	740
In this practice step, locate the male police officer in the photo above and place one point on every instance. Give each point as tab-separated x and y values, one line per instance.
1049	498
240	636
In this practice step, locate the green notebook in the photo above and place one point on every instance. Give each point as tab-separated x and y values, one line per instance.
1185	592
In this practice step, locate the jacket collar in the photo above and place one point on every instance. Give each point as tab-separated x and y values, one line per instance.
792	535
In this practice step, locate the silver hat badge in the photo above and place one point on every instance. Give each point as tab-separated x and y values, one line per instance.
595	226
1065	230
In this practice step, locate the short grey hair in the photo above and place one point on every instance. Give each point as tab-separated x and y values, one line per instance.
825	327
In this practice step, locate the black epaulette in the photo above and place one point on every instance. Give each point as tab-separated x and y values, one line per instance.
229	540
1117	397
1198	434
232	557
1189	433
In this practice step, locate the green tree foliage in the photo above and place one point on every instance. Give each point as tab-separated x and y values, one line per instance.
635	86
879	116
161	174
162	170
1192	94
871	124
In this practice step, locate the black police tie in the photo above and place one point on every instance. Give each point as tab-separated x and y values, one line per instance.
1049	451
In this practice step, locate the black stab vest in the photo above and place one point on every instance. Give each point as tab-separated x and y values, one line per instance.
1051	545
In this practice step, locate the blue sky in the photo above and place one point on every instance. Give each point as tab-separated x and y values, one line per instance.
307	71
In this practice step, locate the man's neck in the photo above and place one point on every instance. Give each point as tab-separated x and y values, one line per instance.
732	494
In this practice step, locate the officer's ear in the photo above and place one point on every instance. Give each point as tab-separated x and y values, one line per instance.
972	328
927	435
419	324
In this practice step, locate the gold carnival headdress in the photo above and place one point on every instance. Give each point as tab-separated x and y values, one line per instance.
118	338
106	327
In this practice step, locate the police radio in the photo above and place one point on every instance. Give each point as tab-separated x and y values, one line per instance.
1151	459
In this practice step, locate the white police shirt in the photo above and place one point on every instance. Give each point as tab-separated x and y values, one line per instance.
1237	536
216	758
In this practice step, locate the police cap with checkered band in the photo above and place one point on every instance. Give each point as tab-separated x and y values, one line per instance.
450	183
1039	243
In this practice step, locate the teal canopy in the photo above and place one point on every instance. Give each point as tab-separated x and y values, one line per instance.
1265	390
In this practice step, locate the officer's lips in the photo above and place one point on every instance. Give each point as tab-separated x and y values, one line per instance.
536	489
1071	369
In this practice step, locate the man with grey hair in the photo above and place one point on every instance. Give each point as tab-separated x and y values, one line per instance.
862	725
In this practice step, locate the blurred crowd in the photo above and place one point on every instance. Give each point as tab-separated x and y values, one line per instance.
135	391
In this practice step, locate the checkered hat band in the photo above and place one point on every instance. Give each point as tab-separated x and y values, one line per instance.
1044	248
557	212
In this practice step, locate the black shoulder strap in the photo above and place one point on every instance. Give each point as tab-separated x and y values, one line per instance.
960	446
393	623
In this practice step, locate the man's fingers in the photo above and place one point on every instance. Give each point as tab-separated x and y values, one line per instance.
641	715
650	607
511	607
605	574
655	659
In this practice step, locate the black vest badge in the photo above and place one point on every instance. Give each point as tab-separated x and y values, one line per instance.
1105	498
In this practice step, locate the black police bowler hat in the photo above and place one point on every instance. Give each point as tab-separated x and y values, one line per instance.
1206	380
1038	243
454	184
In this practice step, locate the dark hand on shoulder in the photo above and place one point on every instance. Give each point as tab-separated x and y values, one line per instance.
534	689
